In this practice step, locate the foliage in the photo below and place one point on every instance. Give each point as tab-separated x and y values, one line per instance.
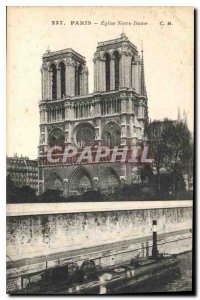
51	196
16	194
172	149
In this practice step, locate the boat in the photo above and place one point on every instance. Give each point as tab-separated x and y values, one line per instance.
88	279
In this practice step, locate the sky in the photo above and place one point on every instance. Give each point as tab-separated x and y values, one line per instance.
168	58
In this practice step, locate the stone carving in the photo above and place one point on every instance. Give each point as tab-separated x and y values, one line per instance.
45	66
108	47
42	128
42	138
70	62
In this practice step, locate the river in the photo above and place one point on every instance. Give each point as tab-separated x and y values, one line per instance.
178	283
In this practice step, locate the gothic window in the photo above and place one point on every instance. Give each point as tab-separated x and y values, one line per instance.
111	134
62	79
54	81
56	137
63	113
78	80
107	58
107	138
116	57
132	74
76	111
85	135
118	106
102	107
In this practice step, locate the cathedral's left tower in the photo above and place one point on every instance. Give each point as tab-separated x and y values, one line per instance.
63	75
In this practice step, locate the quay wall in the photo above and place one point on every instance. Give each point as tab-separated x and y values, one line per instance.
44	229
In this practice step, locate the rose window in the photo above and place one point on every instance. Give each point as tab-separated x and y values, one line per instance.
85	135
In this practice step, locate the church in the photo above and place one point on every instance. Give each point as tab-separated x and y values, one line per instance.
116	113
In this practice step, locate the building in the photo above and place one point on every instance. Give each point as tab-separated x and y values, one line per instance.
114	114
22	171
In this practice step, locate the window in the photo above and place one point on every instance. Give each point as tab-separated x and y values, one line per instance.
132	74
77	80
116	57
54	81
62	79
111	134
107	57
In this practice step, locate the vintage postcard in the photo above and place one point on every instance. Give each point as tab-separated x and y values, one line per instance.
100	142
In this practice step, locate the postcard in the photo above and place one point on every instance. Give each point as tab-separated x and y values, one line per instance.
100	150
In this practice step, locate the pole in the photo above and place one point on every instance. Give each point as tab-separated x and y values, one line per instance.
154	249
147	249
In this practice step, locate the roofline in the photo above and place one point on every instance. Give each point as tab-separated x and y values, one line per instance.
63	51
117	40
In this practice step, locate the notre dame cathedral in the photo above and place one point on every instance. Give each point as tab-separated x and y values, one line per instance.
116	113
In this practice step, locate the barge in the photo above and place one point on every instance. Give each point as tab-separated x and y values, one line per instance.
69	278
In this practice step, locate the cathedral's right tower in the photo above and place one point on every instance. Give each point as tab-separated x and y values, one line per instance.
117	65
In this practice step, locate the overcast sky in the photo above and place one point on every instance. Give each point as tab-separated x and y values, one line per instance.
168	58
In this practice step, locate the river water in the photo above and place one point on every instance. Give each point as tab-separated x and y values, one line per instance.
178	283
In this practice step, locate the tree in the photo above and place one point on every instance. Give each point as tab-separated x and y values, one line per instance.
15	194
158	135
52	195
179	153
171	144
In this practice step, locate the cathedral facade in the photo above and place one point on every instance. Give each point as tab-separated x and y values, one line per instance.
116	113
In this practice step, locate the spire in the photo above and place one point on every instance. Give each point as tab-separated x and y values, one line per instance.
123	34
48	49
143	86
179	115
184	117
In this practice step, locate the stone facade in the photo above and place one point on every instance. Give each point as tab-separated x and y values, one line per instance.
115	114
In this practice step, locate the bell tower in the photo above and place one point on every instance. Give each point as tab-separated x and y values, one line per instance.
118	65
64	73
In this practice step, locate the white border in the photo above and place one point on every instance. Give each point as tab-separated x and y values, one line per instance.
3	4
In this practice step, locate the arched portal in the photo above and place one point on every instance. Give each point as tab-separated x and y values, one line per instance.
80	181
111	134
110	180
54	182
